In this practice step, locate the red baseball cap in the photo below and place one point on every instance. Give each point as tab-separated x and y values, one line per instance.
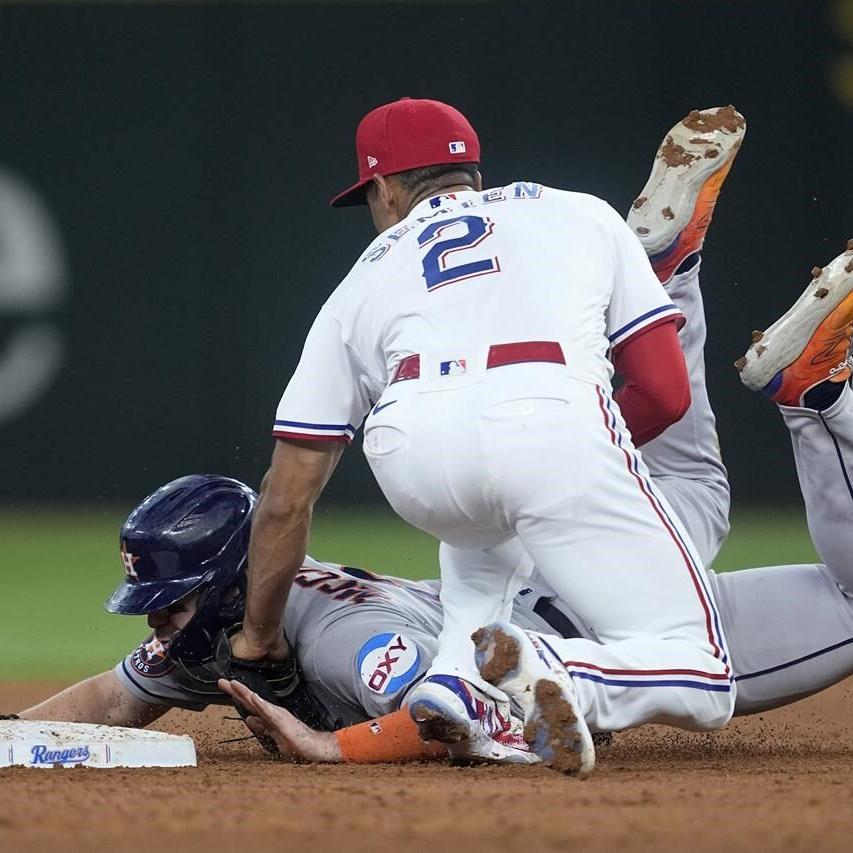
408	134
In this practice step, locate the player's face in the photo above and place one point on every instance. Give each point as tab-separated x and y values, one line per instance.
172	619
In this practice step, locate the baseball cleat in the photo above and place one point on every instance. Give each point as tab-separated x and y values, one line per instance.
476	727
531	673
810	343
674	209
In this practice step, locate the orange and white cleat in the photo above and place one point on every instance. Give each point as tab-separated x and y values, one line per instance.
674	209
808	345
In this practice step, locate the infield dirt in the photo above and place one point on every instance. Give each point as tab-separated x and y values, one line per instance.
781	781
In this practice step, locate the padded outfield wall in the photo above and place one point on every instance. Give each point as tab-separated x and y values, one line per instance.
165	238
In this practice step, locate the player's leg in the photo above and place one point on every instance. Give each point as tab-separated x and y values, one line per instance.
802	362
607	541
791	627
823	452
685	461
604	537
417	451
477	587
671	218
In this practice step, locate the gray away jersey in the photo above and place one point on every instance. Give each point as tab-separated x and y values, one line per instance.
363	641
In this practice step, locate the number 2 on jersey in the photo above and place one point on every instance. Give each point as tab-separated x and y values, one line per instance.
437	272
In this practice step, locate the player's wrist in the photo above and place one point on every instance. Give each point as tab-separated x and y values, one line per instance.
327	748
251	644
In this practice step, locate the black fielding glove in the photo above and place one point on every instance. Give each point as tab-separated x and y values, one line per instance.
277	681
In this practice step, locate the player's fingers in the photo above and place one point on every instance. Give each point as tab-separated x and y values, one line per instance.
227	686
264	708
257	726
237	691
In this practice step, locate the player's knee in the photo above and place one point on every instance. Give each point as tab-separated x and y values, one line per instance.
718	711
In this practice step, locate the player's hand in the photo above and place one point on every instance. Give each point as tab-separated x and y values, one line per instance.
247	647
295	740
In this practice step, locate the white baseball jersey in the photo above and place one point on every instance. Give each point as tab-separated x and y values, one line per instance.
462	272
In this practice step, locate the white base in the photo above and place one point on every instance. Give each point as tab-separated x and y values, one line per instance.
31	743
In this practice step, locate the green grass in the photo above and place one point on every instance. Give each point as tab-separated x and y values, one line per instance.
58	566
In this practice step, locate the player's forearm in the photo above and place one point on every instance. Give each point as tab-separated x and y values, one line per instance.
99	699
276	552
279	540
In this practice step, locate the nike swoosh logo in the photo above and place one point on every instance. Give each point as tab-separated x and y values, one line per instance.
377	408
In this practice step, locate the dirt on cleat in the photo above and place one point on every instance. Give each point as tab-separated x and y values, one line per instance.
740	363
433	726
564	741
504	657
725	118
816	272
674	154
757	336
822	292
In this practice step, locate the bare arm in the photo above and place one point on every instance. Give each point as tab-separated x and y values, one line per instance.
99	699
282	520
394	739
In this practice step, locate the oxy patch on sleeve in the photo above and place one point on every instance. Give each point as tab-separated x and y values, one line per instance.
388	662
152	659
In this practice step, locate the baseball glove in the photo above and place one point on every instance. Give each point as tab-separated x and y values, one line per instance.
277	681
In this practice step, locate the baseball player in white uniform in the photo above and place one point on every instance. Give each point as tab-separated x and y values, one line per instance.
473	335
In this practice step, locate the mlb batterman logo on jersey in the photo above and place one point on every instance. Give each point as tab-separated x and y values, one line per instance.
388	662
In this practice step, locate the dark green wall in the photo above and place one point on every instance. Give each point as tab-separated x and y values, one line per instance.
187	154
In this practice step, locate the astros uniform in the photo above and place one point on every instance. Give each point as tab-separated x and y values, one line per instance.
362	639
476	334
365	640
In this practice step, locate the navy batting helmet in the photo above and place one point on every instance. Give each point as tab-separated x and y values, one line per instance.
190	534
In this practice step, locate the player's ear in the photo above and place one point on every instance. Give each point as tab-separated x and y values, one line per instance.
384	192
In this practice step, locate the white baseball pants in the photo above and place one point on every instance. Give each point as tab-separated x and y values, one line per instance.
526	451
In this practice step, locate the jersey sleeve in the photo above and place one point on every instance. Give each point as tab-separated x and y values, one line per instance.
327	397
638	300
147	674
370	661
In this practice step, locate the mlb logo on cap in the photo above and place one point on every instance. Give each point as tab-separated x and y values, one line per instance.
457	147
